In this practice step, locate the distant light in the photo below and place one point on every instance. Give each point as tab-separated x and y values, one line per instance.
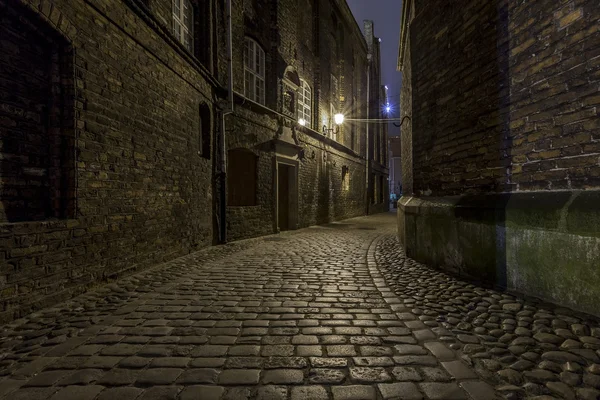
386	88
339	119
379	40
388	109
302	122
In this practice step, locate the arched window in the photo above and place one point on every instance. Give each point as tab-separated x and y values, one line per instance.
304	103
254	71
183	23
241	177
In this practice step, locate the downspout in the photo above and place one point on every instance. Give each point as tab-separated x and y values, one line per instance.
223	144
367	144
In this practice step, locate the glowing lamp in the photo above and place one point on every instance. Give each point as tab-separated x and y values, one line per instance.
339	119
302	122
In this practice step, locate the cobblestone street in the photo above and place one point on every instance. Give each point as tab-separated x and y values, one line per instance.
330	312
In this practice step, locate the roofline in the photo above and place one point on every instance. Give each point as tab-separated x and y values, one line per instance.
345	8
406	4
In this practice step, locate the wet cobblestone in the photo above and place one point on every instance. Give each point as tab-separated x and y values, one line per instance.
526	347
331	312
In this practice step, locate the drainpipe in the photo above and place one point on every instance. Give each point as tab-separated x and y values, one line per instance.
223	145
367	144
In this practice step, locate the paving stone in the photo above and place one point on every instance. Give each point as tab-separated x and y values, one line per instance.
203	392
285	362
354	392
315	392
272	392
120	393
118	377
81	377
415	360
478	390
369	374
160	393
197	376
401	391
328	362
283	376
443	391
158	376
373	361
440	351
326	376
78	392
239	377
341	351
459	370
48	378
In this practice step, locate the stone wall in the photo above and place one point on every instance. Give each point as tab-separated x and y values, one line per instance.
504	99
142	184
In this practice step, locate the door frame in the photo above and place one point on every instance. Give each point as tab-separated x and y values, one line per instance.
293	191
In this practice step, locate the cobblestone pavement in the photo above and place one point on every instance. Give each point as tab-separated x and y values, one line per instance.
528	348
302	315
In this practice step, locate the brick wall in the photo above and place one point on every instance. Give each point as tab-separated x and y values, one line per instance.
316	39
504	97
142	187
554	62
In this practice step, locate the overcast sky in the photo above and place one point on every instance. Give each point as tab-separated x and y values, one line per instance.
386	17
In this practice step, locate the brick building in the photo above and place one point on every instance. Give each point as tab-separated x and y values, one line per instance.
110	117
301	60
501	147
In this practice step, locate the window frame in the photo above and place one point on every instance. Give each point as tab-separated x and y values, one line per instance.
303	104
256	71
179	21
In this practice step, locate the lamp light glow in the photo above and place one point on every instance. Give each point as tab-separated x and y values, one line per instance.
339	119
302	122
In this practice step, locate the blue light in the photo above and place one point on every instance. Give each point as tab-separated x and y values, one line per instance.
388	109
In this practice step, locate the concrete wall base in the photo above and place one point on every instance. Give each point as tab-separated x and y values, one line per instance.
541	244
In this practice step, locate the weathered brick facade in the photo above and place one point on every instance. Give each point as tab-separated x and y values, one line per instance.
130	136
501	153
110	125
320	42
506	96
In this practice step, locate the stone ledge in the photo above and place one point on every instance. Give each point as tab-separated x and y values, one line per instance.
544	244
576	212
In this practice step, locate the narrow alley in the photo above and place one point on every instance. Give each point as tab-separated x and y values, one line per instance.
328	312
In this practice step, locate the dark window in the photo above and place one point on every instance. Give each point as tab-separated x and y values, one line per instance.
381	189
204	131
191	26
37	170
241	177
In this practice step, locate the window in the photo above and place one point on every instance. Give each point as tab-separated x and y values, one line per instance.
304	102
183	23
241	178
37	168
254	72
345	178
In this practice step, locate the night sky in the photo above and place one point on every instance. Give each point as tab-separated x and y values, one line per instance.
386	16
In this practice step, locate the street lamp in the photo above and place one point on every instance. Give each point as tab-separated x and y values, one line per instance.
339	119
302	121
